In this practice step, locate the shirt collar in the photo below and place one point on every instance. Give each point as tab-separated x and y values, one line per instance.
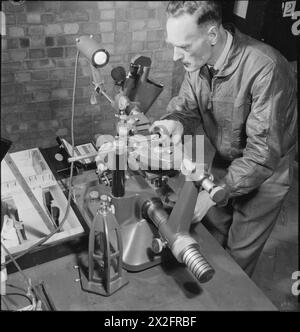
219	63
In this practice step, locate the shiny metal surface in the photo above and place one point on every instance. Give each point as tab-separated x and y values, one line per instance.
182	245
137	233
197	264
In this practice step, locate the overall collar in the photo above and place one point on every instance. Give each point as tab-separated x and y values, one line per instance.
221	60
234	55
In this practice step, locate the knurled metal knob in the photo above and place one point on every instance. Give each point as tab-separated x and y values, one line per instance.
94	195
158	245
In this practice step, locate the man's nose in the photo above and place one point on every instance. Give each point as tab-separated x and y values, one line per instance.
177	54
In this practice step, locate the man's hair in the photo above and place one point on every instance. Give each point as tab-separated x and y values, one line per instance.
207	11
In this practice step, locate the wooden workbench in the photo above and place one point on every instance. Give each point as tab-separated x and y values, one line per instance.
168	286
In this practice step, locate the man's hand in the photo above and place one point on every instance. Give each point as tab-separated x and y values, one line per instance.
170	128
204	203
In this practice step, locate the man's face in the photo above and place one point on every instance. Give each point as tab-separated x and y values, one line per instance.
191	43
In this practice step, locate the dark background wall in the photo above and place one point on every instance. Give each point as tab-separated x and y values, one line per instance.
265	21
38	62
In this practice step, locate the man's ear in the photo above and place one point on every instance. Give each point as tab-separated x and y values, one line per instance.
213	35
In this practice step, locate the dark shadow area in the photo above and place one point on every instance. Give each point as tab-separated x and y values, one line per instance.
48	253
179	272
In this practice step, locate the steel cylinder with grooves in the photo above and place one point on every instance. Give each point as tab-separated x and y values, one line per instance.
197	264
183	246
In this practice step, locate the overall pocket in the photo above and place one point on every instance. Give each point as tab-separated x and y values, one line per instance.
239	119
223	115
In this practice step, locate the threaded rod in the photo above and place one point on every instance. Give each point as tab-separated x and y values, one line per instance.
197	264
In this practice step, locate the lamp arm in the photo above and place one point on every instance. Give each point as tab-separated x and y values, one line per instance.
98	84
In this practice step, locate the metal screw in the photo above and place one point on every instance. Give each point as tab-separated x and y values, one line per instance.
77	280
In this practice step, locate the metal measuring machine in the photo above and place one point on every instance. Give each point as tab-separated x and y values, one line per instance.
129	211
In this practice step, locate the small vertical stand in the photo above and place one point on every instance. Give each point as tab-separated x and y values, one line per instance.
105	272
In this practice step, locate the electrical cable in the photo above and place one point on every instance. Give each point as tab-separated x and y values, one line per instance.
70	183
19	294
4	300
28	282
14	286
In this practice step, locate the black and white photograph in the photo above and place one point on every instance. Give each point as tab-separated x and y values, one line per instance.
149	159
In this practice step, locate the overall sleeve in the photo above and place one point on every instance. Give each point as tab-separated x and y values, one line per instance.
265	129
184	107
